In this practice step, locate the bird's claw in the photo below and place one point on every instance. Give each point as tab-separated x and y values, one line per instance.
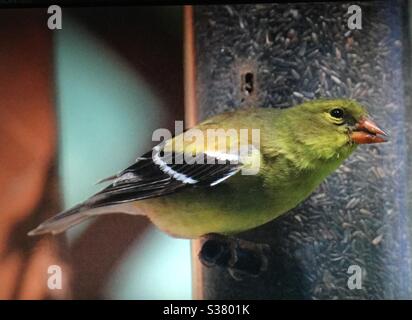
241	258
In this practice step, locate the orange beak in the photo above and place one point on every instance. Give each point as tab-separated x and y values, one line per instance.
366	131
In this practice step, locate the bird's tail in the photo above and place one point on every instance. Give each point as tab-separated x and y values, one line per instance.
73	216
62	221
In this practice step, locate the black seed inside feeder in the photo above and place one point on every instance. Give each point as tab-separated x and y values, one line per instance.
279	55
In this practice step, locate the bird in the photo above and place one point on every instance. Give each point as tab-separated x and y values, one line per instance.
190	188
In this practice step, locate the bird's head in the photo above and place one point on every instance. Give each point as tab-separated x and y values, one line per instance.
334	126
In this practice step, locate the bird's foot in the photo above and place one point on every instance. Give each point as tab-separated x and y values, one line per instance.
241	258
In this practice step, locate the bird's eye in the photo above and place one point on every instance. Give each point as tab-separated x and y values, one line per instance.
337	113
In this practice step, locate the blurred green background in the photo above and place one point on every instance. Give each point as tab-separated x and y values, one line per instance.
109	102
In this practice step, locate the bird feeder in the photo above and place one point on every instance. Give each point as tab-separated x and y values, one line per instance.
351	239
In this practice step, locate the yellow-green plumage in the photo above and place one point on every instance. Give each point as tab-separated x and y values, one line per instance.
299	147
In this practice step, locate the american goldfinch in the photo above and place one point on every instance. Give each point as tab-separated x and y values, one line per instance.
227	193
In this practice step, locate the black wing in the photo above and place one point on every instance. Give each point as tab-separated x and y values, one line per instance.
157	173
151	176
